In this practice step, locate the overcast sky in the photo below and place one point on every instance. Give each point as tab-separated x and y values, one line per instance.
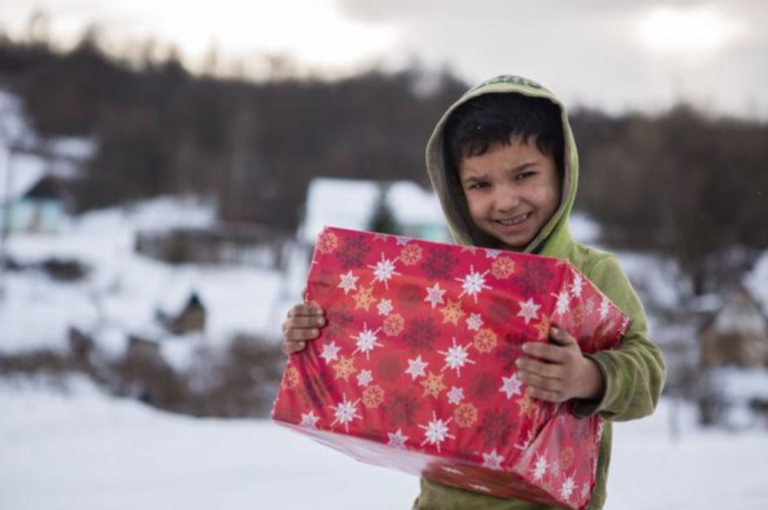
636	54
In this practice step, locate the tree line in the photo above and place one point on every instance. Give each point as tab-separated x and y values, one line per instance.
680	182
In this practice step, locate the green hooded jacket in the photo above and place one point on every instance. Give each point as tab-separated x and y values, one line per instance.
633	373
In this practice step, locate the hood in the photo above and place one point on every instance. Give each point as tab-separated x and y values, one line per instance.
555	237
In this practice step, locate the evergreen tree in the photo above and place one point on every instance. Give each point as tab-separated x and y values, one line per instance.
383	221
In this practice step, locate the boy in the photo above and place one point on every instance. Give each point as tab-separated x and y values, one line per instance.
503	162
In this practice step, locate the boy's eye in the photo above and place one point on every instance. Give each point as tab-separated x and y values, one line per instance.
478	185
524	175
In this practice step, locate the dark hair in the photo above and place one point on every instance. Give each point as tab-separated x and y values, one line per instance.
493	118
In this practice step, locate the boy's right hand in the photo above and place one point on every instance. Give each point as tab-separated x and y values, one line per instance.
302	324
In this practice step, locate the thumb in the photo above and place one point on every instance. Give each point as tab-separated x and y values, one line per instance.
561	336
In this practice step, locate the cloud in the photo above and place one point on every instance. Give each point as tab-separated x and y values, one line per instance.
590	51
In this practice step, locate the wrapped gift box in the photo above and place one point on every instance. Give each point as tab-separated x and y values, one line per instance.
415	369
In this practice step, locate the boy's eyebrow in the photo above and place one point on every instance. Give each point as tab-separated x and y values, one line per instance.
518	168
523	166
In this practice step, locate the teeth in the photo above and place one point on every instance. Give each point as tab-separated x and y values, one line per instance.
514	221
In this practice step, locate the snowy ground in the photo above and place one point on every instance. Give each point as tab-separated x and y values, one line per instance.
123	289
83	450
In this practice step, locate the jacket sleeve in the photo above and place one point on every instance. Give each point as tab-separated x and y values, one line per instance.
634	372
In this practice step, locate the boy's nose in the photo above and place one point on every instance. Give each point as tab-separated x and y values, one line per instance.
506	200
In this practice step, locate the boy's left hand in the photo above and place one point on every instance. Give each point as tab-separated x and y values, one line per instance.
558	372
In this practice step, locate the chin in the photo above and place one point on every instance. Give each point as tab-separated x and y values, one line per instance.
506	243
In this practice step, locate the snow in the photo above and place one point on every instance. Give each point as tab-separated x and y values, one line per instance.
79	449
24	167
349	204
18	174
741	383
756	280
13	126
583	228
72	147
741	316
124	289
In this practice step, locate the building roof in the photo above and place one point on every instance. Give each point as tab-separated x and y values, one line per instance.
741	315
347	203
19	174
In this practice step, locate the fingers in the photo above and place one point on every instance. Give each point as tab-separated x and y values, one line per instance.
559	351
533	368
561	336
308	309
548	369
302	324
293	347
545	395
546	352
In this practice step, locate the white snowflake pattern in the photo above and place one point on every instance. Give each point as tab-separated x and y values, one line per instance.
345	412
555	468
456	395
492	254
384	270
585	489
385	307
563	299
309	420
604	308
456	357
474	322
528	310
492	460
473	283
330	352
590	305
366	341
566	490
402	241
416	368
540	468
435	296
364	378
397	440
578	285
436	431
348	282
512	386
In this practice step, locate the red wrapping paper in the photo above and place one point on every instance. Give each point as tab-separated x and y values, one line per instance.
415	369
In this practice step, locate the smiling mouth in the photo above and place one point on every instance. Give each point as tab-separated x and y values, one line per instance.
516	220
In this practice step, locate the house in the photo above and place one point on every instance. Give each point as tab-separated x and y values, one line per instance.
31	198
352	204
219	244
731	380
187	318
735	333
34	172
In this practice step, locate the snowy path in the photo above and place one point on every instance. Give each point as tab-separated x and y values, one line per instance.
84	451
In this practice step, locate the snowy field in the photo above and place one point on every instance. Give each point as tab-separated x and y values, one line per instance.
82	450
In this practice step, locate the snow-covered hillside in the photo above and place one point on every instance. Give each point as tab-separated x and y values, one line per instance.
124	289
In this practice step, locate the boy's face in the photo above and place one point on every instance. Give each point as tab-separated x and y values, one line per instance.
512	191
